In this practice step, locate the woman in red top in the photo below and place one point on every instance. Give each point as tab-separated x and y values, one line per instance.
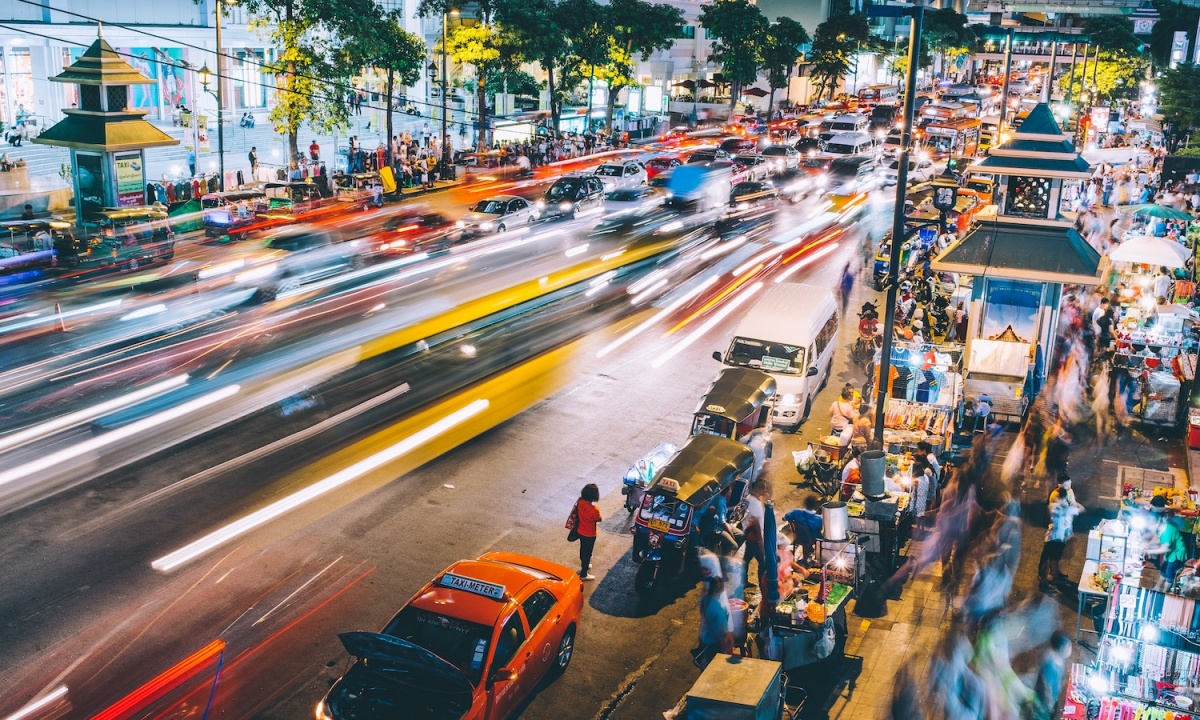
589	516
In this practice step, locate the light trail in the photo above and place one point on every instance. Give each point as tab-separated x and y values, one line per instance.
708	325
256	519
46	701
672	307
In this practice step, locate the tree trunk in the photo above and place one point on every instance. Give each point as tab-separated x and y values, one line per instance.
391	76
481	99
770	102
555	110
587	121
611	107
734	87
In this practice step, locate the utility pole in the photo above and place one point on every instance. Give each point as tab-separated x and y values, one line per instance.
916	14
1008	43
220	105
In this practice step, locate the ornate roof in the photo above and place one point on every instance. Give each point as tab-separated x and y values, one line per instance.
104	132
101	65
1023	252
1038	148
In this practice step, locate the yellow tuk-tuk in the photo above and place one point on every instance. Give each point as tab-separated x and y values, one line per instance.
736	403
126	236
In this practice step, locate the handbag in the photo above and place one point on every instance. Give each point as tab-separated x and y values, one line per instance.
572	523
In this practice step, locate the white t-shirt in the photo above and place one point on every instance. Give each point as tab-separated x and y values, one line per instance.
1162	283
754	509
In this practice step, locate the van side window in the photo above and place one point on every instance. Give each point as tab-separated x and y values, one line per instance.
827	335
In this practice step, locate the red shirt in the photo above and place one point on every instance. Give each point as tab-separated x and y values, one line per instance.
588	517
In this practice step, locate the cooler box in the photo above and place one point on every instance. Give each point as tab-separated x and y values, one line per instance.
736	688
1194	428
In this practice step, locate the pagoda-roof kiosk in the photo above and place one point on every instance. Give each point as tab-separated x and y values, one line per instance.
107	138
1021	256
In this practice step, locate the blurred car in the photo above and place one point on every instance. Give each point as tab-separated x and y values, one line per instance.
852	175
807	145
496	214
738	145
569	195
661	164
920	169
707	155
748	193
737	170
621	175
412	232
296	255
675	135
473	644
757	166
623	201
816	164
782	158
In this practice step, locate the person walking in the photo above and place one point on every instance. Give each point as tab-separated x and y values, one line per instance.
191	160
588	517
752	527
1063	510
716	634
1050	678
253	161
314	152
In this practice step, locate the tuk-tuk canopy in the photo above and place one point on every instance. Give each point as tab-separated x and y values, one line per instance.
28	227
736	393
231	196
702	469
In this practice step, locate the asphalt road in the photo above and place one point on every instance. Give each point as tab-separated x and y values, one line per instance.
89	611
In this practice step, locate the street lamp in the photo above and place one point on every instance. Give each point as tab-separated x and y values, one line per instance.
696	87
206	77
447	166
945	195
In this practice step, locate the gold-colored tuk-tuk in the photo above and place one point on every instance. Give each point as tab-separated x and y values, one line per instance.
128	236
737	402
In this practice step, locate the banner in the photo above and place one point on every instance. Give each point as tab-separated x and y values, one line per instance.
202	125
131	178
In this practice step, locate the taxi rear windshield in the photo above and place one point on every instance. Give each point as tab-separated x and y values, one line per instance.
462	644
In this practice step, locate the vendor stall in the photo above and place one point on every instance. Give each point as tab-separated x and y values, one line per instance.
926	392
1153	354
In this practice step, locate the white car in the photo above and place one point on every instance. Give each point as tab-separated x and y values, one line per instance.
293	256
757	166
619	202
621	175
919	170
496	214
782	158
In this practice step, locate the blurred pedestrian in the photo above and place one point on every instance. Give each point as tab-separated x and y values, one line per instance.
1050	678
752	526
846	286
1063	510
253	155
716	634
191	161
1170	544
588	516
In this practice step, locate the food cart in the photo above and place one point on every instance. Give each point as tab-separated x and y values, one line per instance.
925	395
739	688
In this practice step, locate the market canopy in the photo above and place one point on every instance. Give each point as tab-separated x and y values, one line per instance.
756	92
1149	250
686	84
1050	254
1159	212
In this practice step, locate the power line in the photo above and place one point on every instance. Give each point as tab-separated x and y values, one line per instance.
186	66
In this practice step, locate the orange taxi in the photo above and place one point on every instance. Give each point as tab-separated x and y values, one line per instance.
471	645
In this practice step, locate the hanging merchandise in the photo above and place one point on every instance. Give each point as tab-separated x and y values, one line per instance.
925	394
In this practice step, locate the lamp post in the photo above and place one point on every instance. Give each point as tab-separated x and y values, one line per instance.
447	166
696	89
206	77
945	196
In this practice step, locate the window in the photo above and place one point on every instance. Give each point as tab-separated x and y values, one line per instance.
827	335
510	640
537	607
687	32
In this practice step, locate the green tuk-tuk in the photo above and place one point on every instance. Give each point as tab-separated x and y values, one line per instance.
124	236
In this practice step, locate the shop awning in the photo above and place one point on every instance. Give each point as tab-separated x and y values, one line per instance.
1023	252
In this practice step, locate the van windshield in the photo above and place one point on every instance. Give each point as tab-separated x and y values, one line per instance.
765	356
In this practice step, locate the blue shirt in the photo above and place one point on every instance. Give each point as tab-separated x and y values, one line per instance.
805	518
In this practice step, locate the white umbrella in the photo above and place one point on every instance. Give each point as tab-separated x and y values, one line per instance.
1147	250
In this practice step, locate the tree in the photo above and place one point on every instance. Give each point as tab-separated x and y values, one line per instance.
481	42
537	31
946	34
1179	101
1113	33
314	71
833	48
739	28
784	38
638	29
1117	65
399	53
1173	17
587	30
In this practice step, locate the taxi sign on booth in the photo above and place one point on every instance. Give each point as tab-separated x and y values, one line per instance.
478	587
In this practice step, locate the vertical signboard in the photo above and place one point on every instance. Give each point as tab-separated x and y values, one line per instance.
131	178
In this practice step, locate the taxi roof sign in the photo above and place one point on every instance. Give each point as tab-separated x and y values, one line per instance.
478	587
668	485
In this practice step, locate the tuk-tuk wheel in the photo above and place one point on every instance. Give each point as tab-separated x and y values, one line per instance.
646	578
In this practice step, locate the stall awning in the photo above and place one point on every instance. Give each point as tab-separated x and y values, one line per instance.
1022	252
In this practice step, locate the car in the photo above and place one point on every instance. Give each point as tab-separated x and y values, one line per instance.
807	145
569	195
735	145
920	169
496	214
661	164
295	255
707	155
748	193
473	644
737	171
623	201
621	175
412	231
851	175
757	166
782	158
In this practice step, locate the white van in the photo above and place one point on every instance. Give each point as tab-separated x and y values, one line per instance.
790	333
855	143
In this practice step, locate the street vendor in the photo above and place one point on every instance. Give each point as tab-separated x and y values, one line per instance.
805	524
791	572
1170	541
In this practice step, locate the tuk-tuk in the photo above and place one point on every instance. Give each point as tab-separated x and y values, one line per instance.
736	403
358	188
291	197
676	499
27	247
883	258
227	212
125	236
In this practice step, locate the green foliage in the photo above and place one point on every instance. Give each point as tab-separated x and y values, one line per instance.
1179	93
537	28
518	82
946	30
1173	17
739	28
1113	33
390	47
1117	74
638	29
782	49
1188	152
833	48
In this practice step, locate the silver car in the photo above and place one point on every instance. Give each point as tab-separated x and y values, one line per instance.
623	201
757	166
621	175
782	158
496	214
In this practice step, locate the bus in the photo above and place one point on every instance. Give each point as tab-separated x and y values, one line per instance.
880	95
952	138
937	112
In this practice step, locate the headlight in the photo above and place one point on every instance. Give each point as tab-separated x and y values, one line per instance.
541	204
486	225
789	400
821	180
460	223
564	206
323	712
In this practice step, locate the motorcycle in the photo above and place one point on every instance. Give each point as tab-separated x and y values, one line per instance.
869	339
637	478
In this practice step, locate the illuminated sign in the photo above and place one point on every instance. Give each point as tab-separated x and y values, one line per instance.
458	582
